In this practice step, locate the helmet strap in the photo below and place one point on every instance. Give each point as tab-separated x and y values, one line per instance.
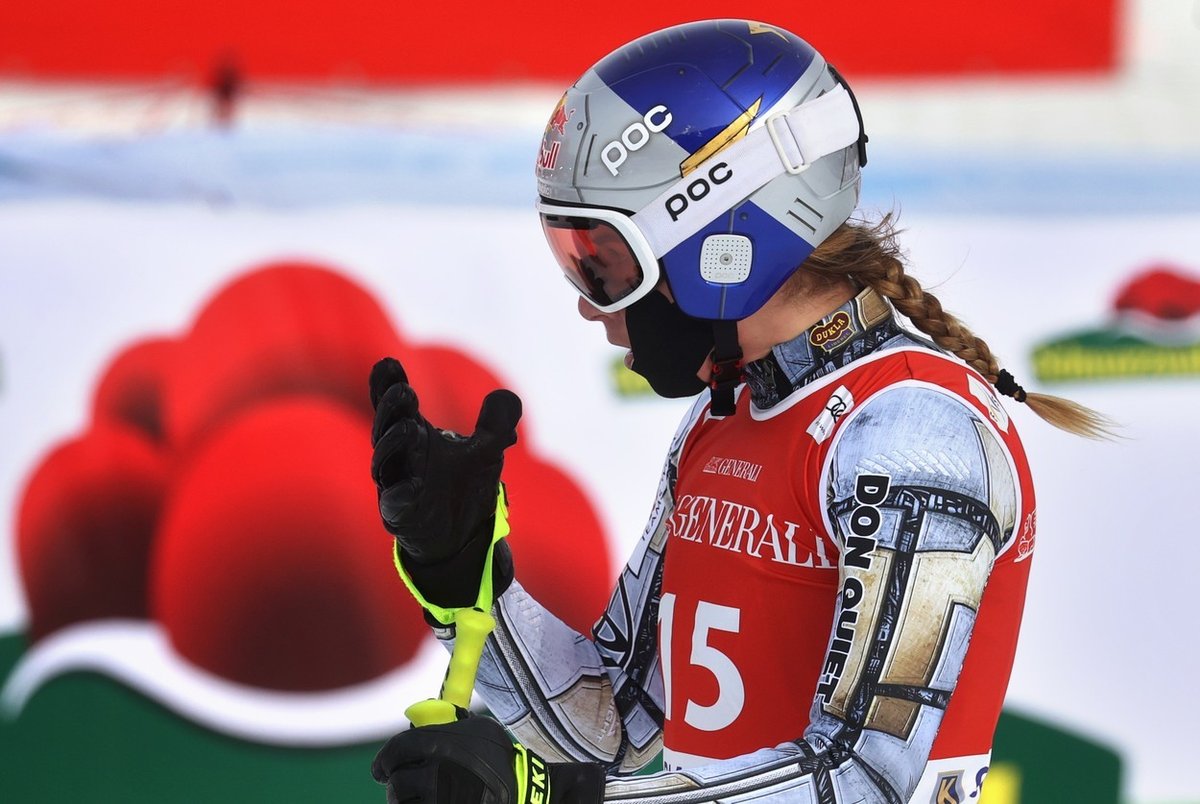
726	367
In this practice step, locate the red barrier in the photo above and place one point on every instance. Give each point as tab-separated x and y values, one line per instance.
389	41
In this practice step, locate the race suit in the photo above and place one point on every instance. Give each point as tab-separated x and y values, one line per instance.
805	616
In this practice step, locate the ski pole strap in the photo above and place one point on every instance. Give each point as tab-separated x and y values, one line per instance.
484	600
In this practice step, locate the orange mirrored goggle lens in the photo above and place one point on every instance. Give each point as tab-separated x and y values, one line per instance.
594	256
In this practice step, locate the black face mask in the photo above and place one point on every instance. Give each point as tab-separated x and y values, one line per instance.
668	346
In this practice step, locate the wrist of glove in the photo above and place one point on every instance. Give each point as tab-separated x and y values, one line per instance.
474	760
438	490
455	582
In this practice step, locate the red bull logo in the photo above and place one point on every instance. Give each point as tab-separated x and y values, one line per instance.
548	156
555	129
559	118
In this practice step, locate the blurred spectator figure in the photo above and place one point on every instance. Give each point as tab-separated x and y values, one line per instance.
226	85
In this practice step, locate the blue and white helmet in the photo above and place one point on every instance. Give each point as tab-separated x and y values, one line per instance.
720	153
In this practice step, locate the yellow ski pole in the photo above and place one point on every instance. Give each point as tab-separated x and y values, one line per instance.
472	626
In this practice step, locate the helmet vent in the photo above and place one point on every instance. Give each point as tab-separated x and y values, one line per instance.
803	221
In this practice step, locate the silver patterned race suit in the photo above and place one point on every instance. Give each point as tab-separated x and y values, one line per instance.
825	602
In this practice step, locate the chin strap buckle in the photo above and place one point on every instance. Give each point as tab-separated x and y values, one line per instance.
726	368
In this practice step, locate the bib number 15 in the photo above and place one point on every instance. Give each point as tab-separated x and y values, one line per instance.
731	691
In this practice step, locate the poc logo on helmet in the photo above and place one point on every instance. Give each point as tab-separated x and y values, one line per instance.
634	138
717	174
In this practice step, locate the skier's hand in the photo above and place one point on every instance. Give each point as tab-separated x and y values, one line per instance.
474	760
437	489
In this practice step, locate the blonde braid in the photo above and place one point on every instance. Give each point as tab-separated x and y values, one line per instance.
926	313
870	255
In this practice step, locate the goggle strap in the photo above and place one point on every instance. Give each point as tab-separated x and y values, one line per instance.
863	139
726	368
787	142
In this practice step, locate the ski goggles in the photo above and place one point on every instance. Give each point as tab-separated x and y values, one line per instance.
601	252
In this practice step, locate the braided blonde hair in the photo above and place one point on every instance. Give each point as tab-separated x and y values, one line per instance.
869	255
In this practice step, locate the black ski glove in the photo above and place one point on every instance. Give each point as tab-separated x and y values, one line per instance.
437	489
474	761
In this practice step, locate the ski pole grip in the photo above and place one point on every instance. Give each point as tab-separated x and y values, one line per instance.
472	627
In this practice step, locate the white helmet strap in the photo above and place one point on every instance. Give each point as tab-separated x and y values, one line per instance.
799	136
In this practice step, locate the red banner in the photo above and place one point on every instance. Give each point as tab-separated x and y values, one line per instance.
386	41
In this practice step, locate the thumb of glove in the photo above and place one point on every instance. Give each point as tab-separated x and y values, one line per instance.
498	417
384	374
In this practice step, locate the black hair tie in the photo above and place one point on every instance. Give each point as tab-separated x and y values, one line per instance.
1006	385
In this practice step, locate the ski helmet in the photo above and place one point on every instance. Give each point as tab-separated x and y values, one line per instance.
717	153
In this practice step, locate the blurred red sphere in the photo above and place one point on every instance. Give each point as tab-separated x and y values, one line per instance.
85	527
131	388
261	553
1162	291
558	545
272	567
283	328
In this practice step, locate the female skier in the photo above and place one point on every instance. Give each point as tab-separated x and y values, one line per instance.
824	605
